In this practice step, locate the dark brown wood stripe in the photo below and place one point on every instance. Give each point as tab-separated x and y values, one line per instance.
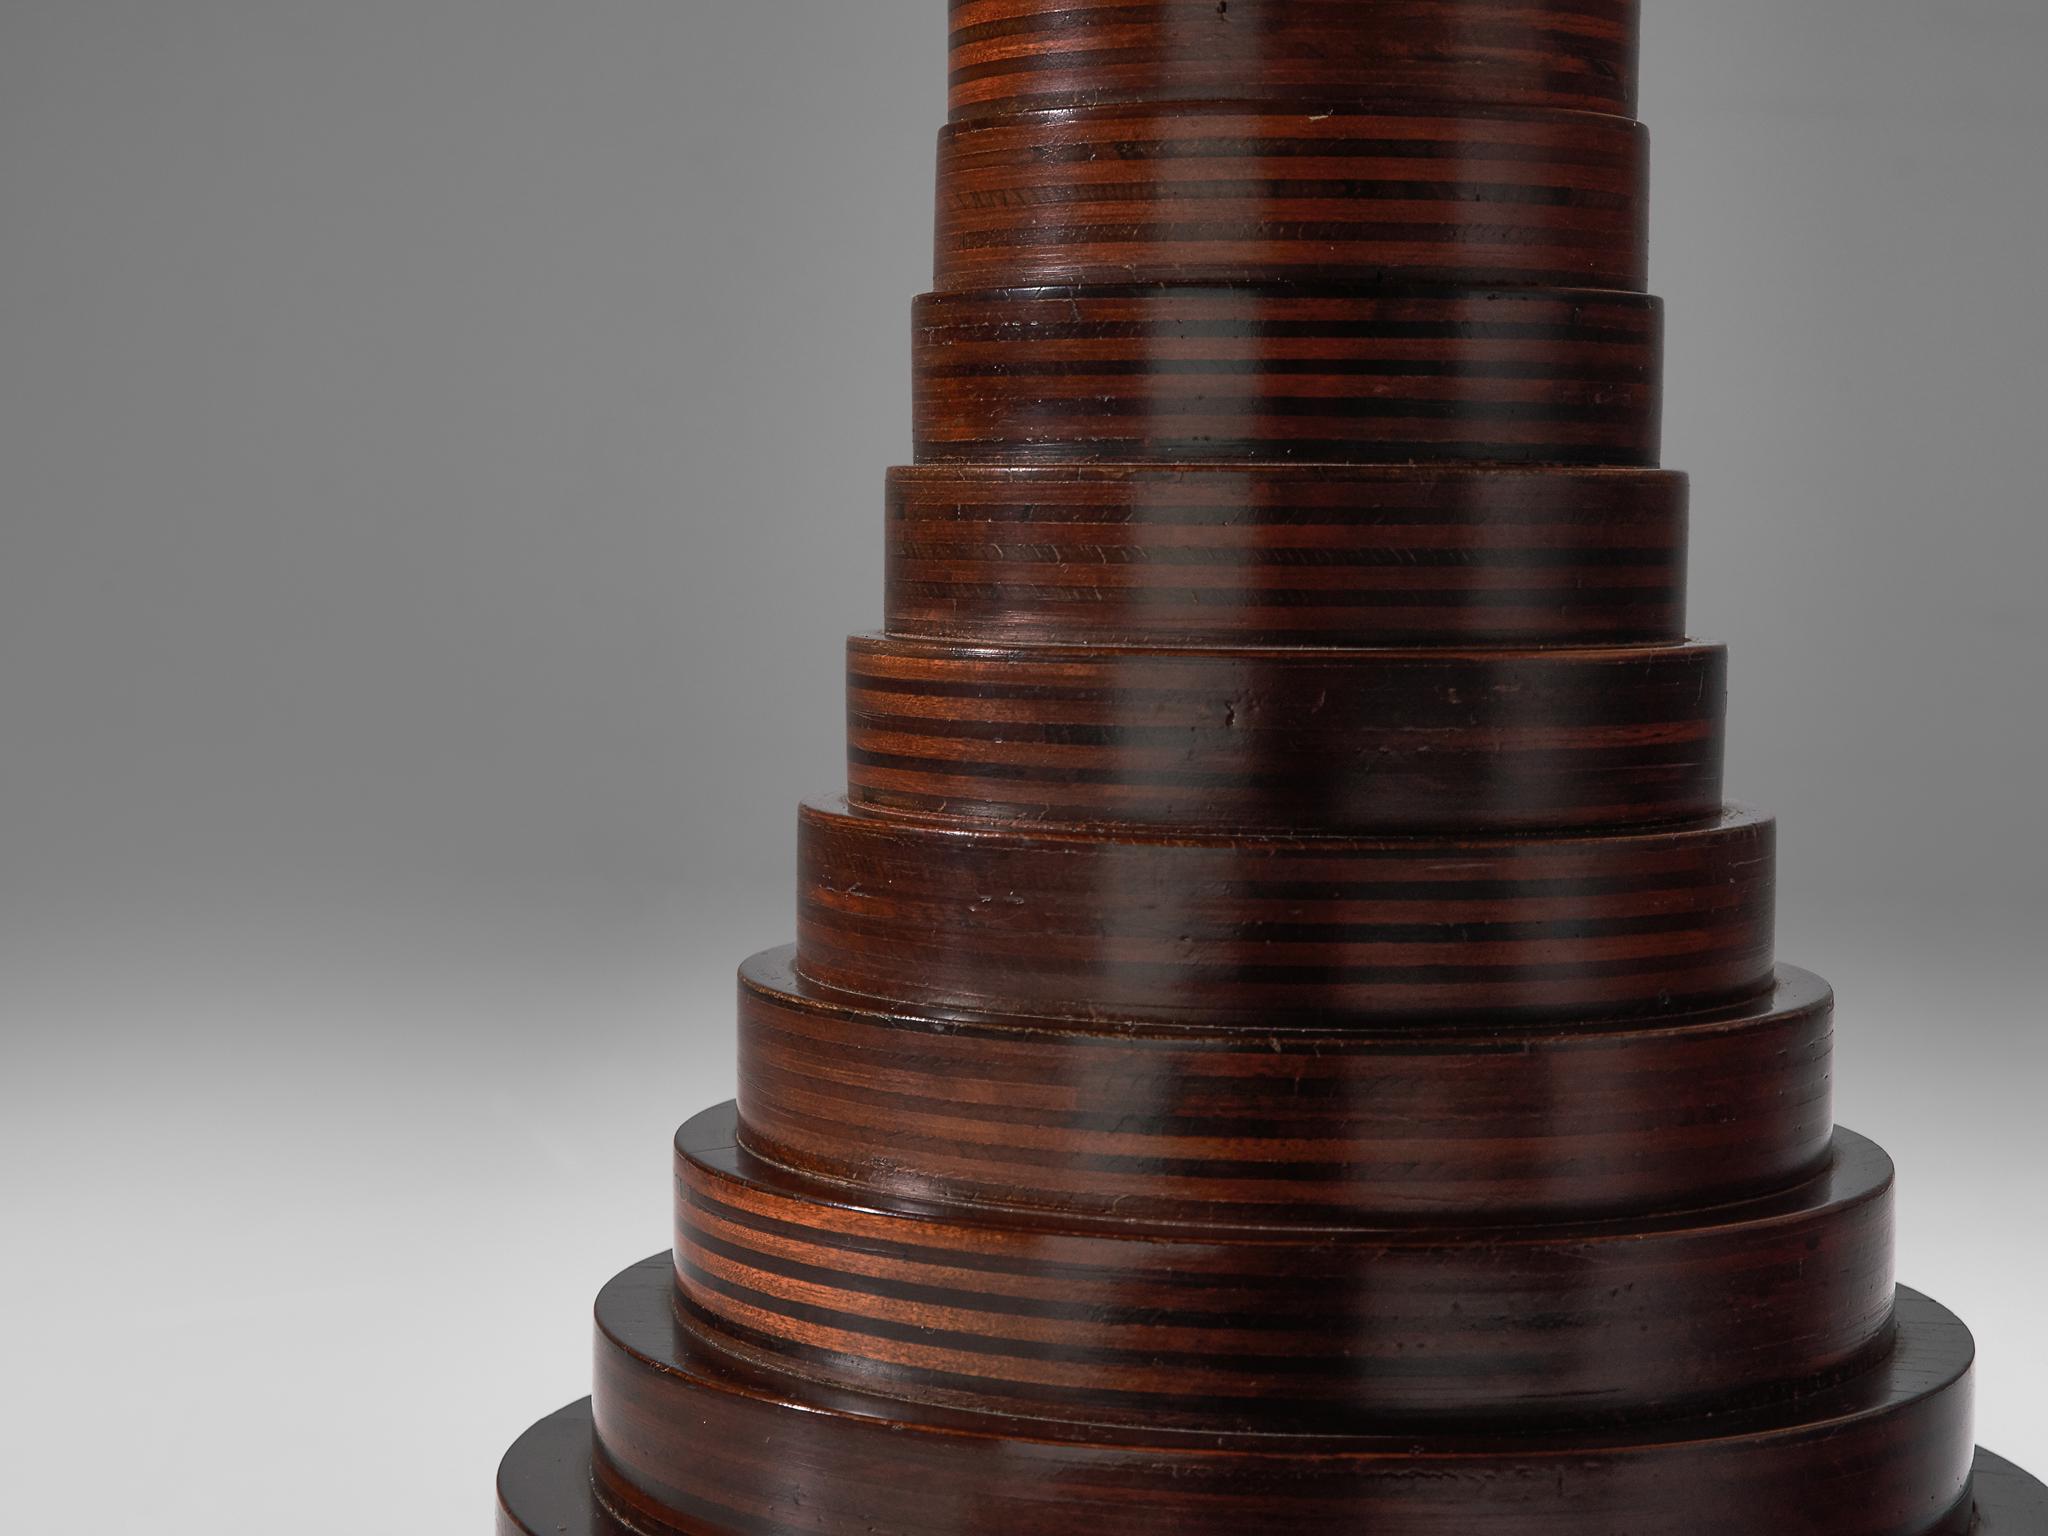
1199	1126
1265	741
1210	193
1250	929
1347	1328
1214	373
1012	55
1338	555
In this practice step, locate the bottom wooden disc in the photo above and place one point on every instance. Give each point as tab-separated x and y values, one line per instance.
544	1481
2009	1502
544	1487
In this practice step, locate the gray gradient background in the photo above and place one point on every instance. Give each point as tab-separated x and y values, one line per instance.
420	610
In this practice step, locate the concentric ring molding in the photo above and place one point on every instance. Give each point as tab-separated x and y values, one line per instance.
1167	1123
1348	742
1195	373
1392	1330
1243	930
1169	941
1208	192
545	1489
1007	56
694	1440
1279	554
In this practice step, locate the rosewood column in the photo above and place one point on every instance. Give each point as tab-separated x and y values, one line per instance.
1284	1034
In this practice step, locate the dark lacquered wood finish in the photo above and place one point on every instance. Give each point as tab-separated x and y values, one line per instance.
2009	1502
1210	193
1166	1123
1316	555
1308	1329
1284	1036
1009	56
544	1482
545	1489
1267	741
1373	375
697	1440
1259	931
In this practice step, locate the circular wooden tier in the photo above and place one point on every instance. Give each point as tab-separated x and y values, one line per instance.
1013	55
1211	193
694	1439
1320	1330
544	1486
1271	930
1318	555
1347	742
1168	1124
544	1489
1191	373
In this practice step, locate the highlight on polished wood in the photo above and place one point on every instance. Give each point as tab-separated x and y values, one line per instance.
1234	930
1285	1033
691	1438
1294	1123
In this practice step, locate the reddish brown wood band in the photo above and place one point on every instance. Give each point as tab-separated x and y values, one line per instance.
1278	930
544	1487
1304	1330
1329	555
1164	1123
1205	192
1347	742
691	1439
1014	55
1236	373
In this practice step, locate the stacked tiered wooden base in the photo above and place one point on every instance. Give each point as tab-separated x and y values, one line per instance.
1284	1034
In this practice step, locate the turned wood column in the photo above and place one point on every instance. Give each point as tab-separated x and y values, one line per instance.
1284	1033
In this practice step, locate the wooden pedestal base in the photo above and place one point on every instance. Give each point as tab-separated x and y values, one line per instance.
1285	1036
545	1489
685	1438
